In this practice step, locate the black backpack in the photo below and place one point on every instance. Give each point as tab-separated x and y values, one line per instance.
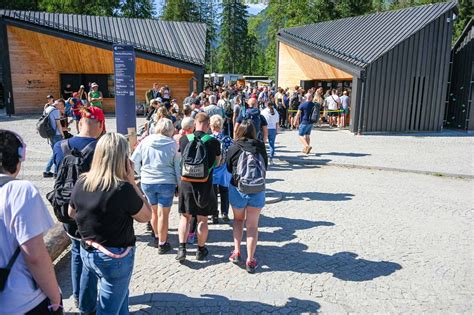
314	114
43	126
195	166
74	163
294	101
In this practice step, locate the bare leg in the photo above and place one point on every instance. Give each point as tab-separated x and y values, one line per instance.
183	227
238	227
202	230
304	141
253	214
154	219
163	220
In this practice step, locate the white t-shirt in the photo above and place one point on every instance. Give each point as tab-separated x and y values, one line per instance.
23	216
272	120
332	101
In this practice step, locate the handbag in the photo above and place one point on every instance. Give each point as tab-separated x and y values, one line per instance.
5	272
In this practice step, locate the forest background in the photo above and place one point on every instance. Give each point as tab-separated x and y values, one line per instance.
237	41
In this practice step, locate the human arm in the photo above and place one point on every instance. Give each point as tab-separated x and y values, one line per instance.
40	266
297	118
137	159
89	97
144	214
265	133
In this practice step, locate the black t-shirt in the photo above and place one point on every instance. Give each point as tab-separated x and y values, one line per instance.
213	146
106	216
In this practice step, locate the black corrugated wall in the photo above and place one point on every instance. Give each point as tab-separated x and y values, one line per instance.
460	112
405	89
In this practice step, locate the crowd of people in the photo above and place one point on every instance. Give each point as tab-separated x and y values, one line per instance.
211	146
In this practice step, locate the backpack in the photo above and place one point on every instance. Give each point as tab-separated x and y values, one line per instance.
228	111
251	173
74	163
44	127
294	101
195	166
314	115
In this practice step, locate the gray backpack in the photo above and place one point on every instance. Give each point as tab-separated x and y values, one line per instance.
251	172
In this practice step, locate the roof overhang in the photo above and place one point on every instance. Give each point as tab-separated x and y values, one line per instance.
100	44
314	52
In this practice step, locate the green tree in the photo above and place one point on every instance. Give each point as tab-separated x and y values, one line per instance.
180	10
19	5
465	13
89	7
206	13
232	51
348	8
137	9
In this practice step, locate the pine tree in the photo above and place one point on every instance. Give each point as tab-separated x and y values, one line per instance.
89	7
180	10
232	52
466	12
137	9
206	13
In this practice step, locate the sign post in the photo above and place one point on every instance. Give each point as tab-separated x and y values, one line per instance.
124	77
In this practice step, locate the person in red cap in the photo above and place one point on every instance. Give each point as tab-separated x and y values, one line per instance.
91	127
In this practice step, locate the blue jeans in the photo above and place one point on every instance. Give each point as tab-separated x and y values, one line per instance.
272	133
52	142
159	194
88	301
240	200
114	277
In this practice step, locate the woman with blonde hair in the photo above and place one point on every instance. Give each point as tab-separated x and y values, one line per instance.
104	203
157	160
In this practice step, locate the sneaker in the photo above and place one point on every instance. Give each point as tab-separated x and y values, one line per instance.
201	253
305	150
215	220
162	249
235	257
48	175
225	218
191	238
251	266
309	149
181	256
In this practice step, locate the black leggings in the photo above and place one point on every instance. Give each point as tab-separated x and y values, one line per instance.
283	113
224	191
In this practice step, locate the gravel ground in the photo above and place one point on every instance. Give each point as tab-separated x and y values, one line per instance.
343	240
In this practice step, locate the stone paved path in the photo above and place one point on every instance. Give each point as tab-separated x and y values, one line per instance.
341	241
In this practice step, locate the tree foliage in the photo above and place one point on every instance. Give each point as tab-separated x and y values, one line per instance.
232	52
138	9
180	10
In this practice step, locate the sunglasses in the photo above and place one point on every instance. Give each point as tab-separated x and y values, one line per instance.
22	148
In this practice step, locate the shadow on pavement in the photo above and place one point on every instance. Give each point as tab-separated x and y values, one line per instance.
213	304
343	265
348	154
314	195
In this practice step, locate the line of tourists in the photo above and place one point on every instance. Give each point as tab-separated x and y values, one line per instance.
96	196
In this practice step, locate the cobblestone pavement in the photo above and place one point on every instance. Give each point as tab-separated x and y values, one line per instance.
341	241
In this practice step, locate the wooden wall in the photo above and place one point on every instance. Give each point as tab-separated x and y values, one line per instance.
294	65
37	60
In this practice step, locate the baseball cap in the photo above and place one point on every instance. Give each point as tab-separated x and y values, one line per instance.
94	84
93	113
49	96
75	94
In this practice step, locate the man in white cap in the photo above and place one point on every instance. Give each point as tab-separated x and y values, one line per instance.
95	97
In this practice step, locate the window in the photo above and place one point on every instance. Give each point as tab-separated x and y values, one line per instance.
105	82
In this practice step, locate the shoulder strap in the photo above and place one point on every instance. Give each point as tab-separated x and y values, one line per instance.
65	147
205	138
13	258
190	137
5	179
89	148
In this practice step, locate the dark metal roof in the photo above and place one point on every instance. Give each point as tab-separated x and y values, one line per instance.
362	39
182	41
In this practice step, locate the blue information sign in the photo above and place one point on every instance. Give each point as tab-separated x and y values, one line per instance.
124	76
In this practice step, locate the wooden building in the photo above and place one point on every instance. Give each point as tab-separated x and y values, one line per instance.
395	64
42	52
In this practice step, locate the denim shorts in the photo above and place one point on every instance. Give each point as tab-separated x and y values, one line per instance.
305	129
159	194
239	200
